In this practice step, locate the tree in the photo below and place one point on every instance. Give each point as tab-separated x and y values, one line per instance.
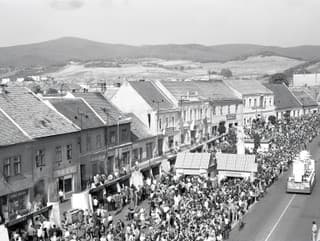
226	73
279	78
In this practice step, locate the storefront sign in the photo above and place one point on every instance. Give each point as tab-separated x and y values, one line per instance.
169	131
18	194
65	171
231	116
98	157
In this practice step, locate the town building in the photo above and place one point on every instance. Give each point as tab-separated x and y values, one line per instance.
309	105
144	148
30	133
92	144
117	135
204	106
258	101
303	80
286	104
154	109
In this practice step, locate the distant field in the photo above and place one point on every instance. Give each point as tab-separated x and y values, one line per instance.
257	65
180	69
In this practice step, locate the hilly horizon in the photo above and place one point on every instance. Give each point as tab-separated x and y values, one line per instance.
62	50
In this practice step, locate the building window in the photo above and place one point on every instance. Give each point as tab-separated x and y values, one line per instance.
124	134
200	113
228	109
112	137
6	168
135	153
172	120
244	102
214	110
40	158
236	108
184	115
98	141
58	154
140	153
88	141
270	102
221	108
125	158
17	165
167	122
69	152
249	102
68	185
149	120
190	115
255	102
160	124
149	150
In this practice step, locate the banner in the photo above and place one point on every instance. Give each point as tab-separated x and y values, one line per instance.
4	233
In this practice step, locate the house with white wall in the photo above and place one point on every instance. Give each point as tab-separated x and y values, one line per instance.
153	108
204	105
258	101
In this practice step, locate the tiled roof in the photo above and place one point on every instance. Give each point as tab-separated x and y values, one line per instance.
33	115
283	98
304	98
236	162
138	129
9	133
104	108
216	90
149	92
74	110
247	87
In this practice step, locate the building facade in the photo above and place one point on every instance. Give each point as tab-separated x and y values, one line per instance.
258	101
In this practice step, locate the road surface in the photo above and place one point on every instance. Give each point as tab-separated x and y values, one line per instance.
283	217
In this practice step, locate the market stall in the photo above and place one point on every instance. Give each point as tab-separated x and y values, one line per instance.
188	163
236	165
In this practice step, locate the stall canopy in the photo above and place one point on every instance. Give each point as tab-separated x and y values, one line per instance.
188	163
235	163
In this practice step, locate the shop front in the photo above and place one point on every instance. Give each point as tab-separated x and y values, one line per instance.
65	180
15	204
22	221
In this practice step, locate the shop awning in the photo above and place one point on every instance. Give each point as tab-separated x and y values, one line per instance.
236	162
193	163
28	216
109	183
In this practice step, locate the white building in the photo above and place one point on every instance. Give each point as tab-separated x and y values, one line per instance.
300	80
153	108
258	101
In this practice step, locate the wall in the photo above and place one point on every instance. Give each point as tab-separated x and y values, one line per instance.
52	170
128	100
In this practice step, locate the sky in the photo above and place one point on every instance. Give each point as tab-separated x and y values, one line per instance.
139	22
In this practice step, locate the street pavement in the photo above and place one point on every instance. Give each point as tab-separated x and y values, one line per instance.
280	216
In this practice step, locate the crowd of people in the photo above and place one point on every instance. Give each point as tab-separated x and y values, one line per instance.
185	208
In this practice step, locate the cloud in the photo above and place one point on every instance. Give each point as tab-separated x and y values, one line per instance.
67	4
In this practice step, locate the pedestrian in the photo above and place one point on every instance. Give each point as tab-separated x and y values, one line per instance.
314	231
